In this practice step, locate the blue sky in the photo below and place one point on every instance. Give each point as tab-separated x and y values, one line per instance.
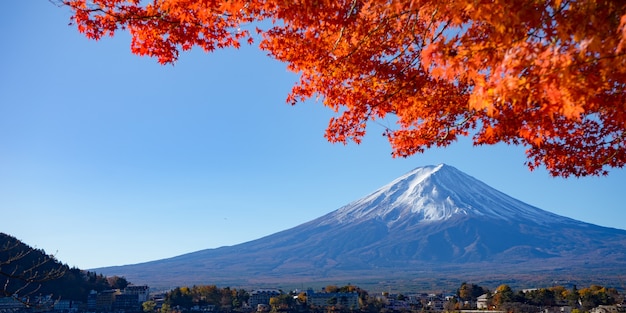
107	158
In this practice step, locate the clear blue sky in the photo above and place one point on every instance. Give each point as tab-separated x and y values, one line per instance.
107	158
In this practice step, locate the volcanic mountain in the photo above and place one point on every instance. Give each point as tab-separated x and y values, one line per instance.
432	221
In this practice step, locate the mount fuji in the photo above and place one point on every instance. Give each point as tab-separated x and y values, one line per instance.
434	221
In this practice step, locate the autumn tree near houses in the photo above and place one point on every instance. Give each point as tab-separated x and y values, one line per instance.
503	294
548	75
470	292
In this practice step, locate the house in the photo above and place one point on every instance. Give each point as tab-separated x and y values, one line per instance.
104	300
142	292
435	303
605	309
126	303
10	304
397	305
557	309
323	299
482	302
68	306
262	296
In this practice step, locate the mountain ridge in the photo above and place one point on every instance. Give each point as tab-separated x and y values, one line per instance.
434	220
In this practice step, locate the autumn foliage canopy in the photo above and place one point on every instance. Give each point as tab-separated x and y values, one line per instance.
549	75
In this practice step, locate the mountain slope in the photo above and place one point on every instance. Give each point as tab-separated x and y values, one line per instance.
434	219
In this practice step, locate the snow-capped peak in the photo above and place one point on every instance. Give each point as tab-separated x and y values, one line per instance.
435	193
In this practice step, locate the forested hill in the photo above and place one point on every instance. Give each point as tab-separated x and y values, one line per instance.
26	272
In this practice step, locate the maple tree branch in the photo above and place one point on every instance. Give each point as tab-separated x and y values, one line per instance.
617	140
369	34
352	7
556	12
120	17
57	3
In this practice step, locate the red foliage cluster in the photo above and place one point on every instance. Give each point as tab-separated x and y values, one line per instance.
548	75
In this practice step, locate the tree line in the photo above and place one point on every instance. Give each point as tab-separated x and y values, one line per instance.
184	299
530	300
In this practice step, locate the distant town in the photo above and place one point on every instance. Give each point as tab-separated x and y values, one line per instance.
468	298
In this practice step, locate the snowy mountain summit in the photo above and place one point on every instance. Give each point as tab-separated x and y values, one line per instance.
436	193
